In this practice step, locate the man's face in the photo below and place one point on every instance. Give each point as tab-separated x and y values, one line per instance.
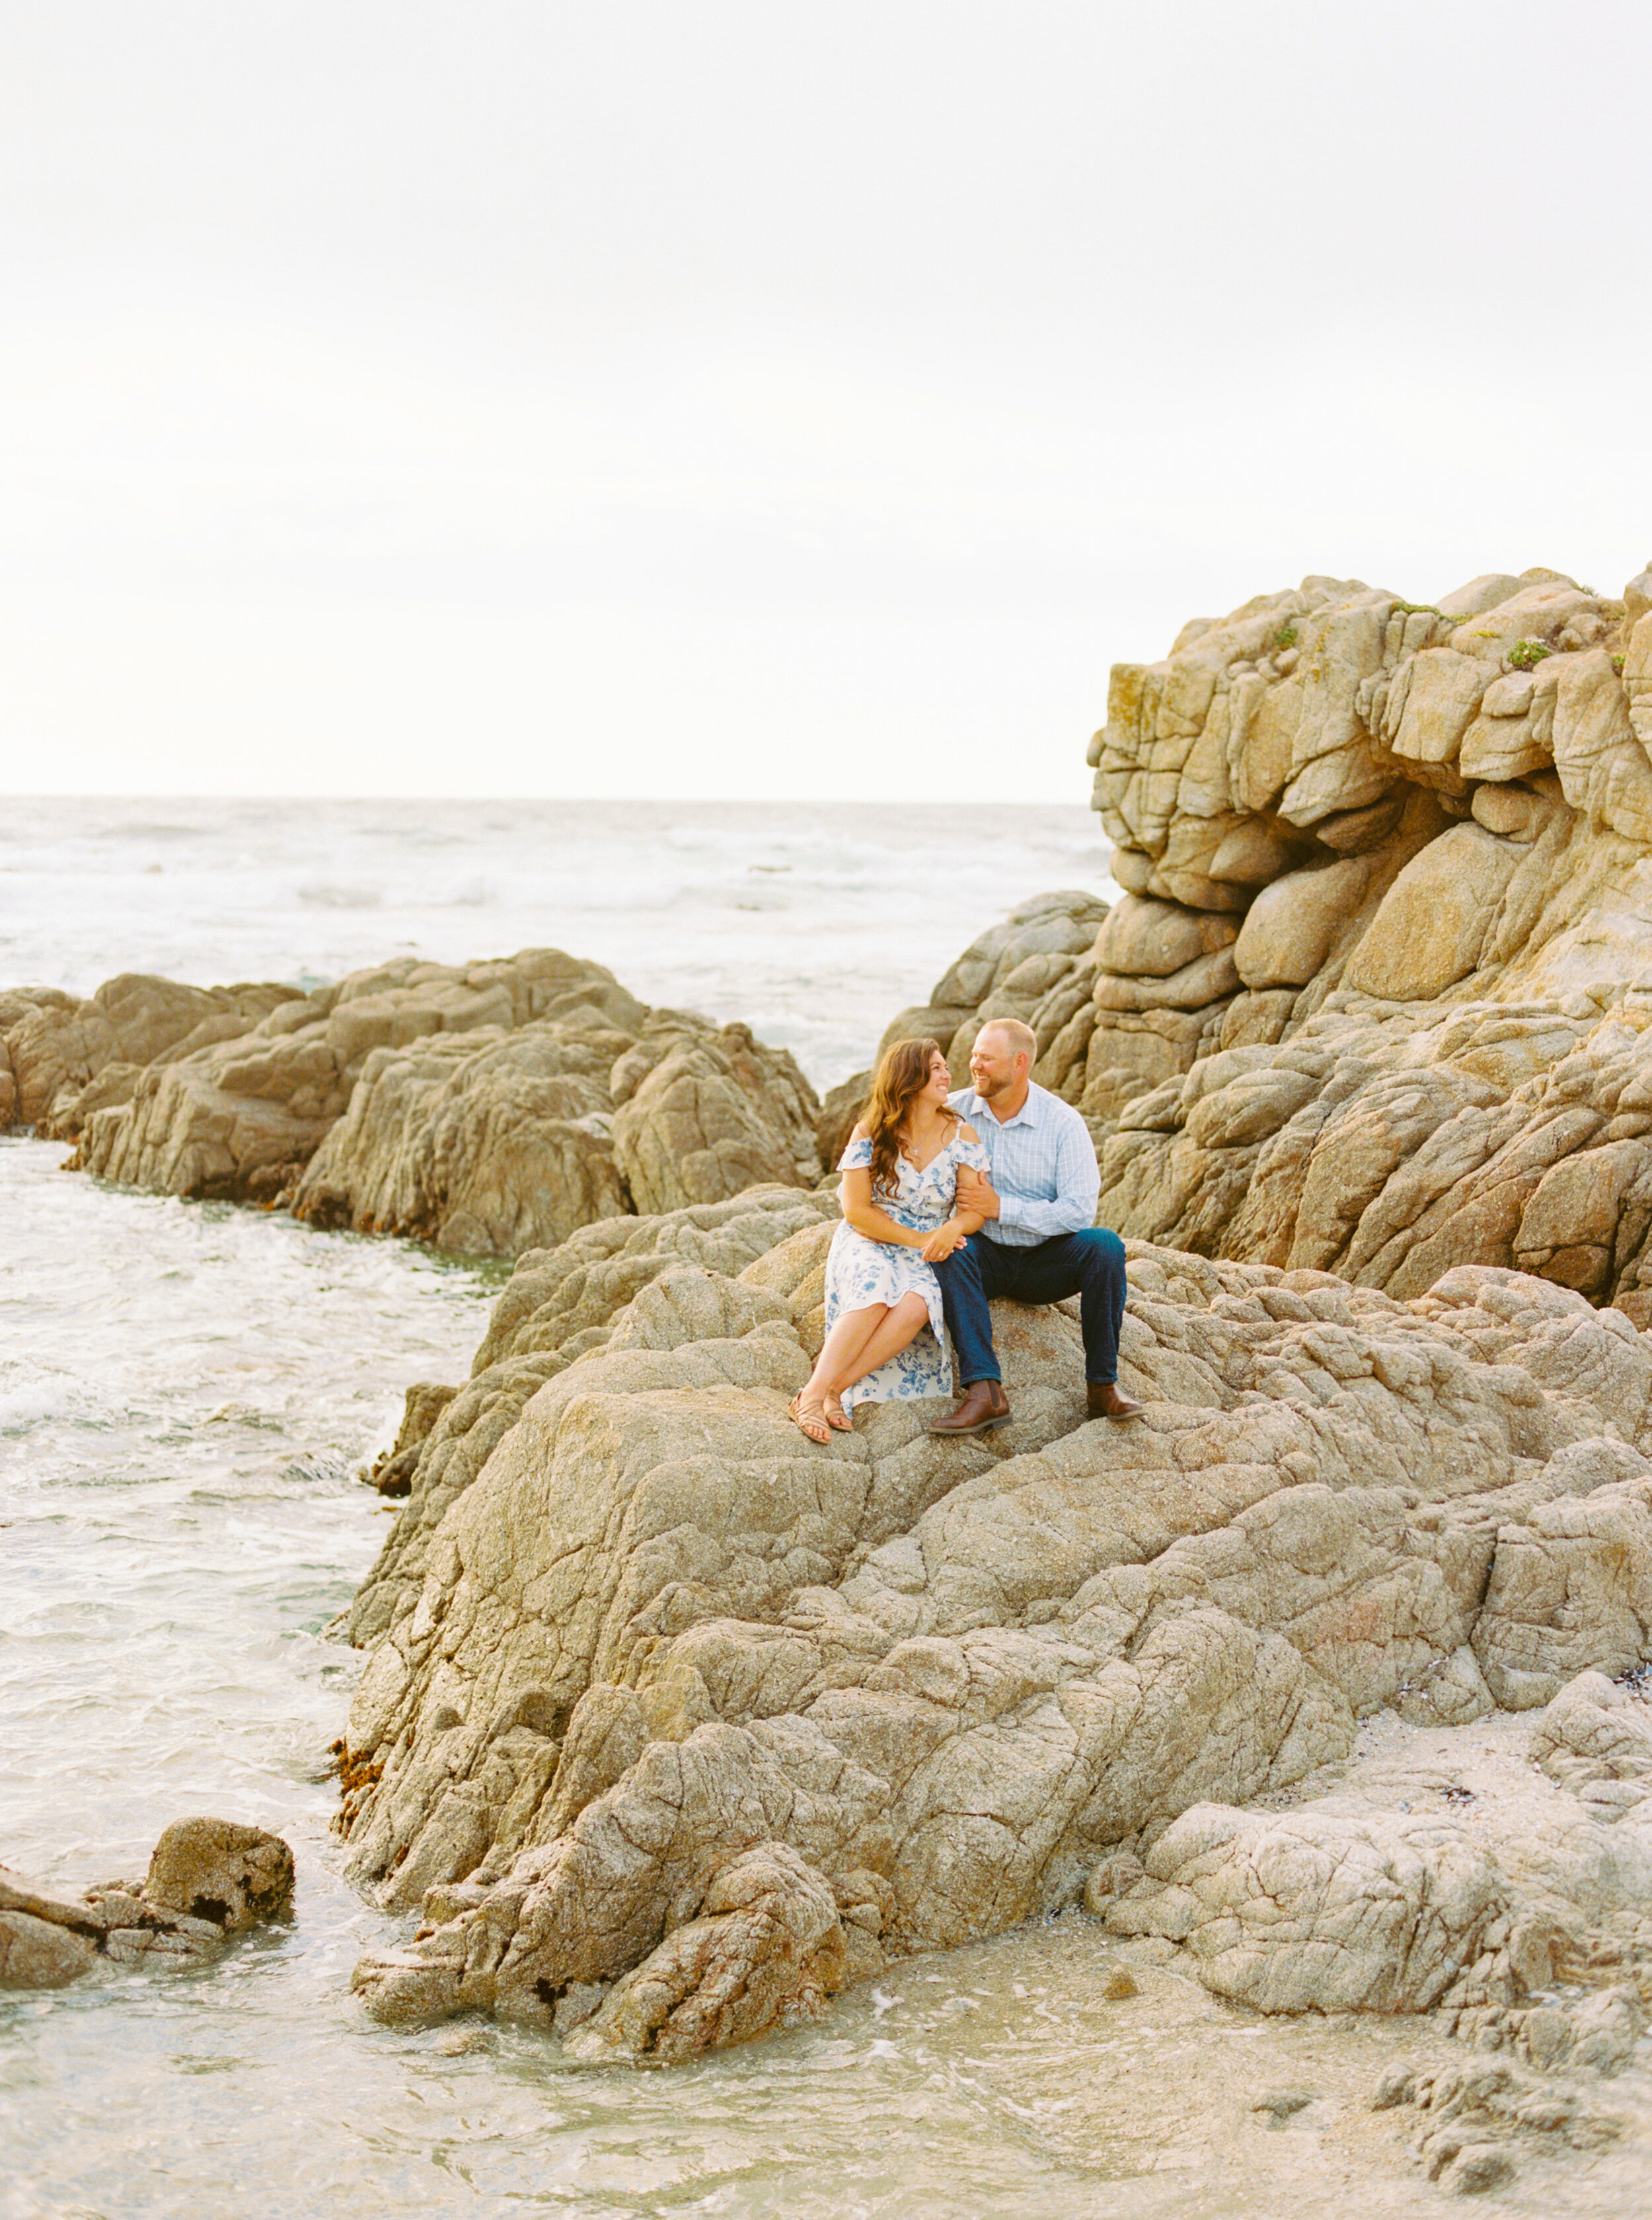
994	1066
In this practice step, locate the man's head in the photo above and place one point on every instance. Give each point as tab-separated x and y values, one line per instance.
1001	1058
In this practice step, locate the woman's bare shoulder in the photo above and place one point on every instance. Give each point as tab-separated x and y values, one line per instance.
967	1132
862	1132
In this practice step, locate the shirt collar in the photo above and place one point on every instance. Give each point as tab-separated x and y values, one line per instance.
1024	1116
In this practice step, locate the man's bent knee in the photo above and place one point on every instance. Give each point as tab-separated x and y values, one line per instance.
1100	1250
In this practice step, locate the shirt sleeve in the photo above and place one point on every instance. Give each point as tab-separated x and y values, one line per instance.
858	1158
1078	1189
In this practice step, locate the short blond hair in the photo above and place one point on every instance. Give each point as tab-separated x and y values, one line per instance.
1022	1039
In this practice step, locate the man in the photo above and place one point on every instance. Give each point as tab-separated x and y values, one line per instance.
1040	1241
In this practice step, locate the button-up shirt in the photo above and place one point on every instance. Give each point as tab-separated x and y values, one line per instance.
1043	1167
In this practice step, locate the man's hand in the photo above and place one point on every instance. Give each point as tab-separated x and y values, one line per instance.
975	1192
943	1241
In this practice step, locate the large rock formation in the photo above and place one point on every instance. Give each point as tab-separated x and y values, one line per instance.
1376	997
491	1108
65	1058
1038	964
674	1723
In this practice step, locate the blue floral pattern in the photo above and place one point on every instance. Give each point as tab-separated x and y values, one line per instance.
860	1271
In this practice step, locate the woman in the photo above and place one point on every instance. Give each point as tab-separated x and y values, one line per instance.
898	1194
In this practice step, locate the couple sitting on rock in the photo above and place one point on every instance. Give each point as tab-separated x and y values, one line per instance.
926	1174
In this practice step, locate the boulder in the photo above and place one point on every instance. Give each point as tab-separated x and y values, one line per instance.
58	1045
237	1116
473	1107
841	1110
558	1306
1292	925
491	1143
236	1877
1194	987
208	1880
1039	965
1601	762
767	1949
1145	938
1433	924
713	1118
1431	705
1546	604
1638	678
1323	1910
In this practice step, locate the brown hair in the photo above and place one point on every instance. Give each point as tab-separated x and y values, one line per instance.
902	1076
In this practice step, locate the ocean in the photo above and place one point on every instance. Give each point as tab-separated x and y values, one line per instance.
188	1395
814	922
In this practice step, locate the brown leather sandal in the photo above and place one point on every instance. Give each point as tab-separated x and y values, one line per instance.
836	1417
807	1416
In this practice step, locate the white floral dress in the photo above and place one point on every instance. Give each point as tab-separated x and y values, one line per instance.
859	1271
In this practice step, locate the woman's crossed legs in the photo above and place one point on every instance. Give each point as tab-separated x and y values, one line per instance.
859	1341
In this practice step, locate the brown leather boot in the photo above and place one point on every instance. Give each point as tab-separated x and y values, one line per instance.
984	1405
1105	1402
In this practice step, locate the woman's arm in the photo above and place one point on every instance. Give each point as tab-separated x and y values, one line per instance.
855	1193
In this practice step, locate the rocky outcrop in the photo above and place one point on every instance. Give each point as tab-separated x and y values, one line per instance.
710	1118
208	1880
512	1144
491	1108
490	1147
674	1722
241	1120
1376	999
64	1057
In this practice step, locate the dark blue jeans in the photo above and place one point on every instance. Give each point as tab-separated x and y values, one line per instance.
1090	1265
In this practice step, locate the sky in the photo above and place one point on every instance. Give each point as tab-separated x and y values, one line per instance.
752	398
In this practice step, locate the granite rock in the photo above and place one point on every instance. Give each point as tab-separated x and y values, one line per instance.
656	1634
208	1880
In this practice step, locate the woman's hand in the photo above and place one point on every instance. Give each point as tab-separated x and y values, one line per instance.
943	1240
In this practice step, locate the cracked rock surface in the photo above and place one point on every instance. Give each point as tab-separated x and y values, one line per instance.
673	1723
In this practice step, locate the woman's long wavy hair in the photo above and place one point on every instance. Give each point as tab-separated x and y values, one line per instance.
902	1076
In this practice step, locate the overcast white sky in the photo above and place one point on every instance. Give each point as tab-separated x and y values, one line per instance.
747	397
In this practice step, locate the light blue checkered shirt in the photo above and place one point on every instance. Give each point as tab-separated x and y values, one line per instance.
1042	1164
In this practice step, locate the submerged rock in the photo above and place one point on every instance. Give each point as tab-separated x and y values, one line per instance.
208	1880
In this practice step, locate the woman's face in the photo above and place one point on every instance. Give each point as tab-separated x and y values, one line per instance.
940	1079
